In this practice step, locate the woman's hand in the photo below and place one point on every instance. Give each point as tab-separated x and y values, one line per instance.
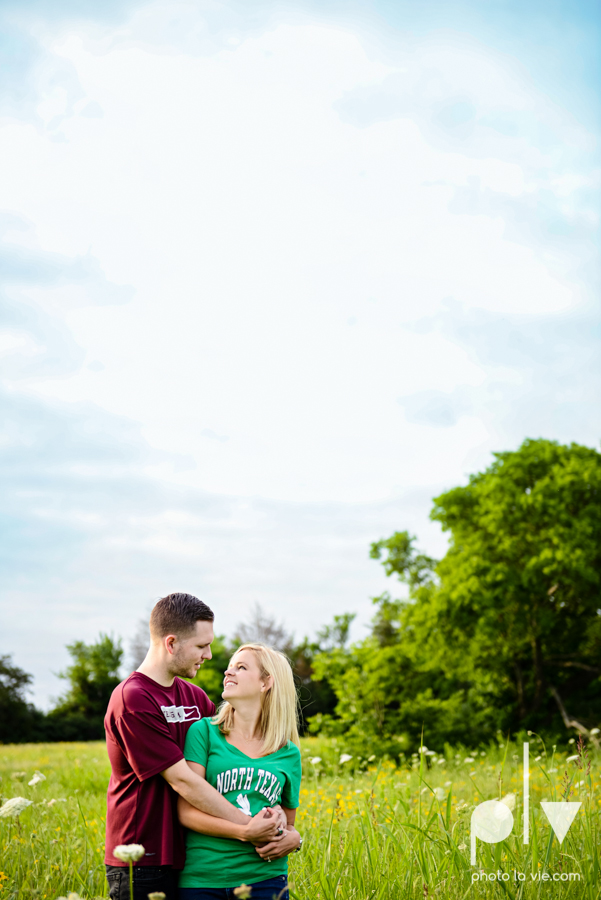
280	847
263	828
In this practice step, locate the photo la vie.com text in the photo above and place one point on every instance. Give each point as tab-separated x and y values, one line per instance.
492	822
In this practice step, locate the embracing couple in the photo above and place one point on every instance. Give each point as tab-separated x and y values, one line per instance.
211	795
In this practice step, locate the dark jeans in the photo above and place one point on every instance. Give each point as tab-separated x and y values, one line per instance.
272	889
146	880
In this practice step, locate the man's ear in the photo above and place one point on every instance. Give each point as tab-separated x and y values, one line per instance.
168	643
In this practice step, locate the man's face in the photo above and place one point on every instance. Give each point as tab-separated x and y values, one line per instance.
189	653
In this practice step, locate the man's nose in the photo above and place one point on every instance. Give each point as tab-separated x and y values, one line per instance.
207	654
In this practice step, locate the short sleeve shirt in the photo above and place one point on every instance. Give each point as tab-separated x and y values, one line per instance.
250	784
146	726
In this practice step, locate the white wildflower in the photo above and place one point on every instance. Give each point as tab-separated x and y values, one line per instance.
57	800
372	757
537	758
315	760
448	783
18	776
469	759
572	758
439	793
594	731
423	749
509	801
571	741
37	778
129	852
14	806
462	846
345	758
71	896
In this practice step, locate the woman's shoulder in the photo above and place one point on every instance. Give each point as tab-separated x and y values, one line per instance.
290	750
202	727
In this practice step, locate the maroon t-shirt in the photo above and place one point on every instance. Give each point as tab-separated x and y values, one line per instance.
146	726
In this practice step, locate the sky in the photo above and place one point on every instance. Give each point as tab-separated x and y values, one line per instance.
272	277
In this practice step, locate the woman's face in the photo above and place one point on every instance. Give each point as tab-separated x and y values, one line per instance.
243	679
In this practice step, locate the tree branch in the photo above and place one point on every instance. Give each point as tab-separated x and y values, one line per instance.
572	723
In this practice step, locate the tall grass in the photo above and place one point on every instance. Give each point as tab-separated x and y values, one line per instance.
371	830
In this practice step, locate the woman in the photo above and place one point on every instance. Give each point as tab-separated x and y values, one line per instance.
250	752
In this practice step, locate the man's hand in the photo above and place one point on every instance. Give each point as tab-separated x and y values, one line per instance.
289	841
264	827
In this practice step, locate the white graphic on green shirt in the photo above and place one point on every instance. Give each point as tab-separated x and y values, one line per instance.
235	780
241	780
244	804
268	785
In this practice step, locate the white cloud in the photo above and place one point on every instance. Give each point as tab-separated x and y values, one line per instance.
255	224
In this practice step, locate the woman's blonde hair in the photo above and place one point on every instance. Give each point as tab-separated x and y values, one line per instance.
279	704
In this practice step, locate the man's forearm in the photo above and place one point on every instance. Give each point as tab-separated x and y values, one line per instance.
194	818
201	794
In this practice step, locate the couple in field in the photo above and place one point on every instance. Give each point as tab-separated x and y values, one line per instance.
211	795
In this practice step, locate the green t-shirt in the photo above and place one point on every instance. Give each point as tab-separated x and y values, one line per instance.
250	784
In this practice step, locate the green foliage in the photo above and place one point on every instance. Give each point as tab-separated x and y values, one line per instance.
19	720
507	620
92	677
520	586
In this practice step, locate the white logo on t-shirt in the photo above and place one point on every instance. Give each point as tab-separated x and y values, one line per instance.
181	713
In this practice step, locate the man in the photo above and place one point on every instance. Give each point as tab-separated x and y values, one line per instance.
146	724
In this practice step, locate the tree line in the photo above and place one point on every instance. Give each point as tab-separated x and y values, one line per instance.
502	633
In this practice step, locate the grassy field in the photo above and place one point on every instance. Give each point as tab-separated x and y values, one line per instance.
372	830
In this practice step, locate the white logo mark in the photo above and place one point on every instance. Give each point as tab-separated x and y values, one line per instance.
244	804
181	713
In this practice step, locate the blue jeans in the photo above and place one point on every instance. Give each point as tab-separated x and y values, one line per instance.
271	889
146	879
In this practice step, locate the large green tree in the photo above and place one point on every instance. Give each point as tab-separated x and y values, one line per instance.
19	720
92	677
505	631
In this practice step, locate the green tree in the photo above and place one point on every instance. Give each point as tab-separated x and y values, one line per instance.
92	677
505	631
520	587
19	720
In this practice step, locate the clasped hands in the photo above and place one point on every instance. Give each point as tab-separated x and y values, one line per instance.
270	833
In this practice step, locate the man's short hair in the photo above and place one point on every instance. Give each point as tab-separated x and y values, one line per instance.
178	614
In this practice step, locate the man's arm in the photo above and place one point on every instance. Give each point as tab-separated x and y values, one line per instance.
187	779
252	831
